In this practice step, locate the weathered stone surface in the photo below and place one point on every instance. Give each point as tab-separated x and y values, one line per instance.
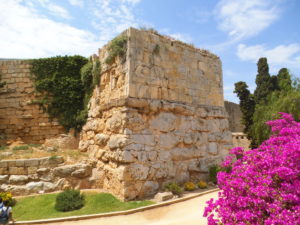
101	139
168	141
3	178
117	141
164	122
64	171
18	179
163	196
213	148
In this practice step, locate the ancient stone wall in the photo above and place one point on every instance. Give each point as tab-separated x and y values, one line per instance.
157	117
19	116
235	116
28	176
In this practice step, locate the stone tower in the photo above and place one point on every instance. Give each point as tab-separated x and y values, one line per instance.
157	116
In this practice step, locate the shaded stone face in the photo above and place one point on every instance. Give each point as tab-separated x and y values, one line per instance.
157	117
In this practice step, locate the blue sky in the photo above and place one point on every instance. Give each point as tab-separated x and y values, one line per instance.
239	31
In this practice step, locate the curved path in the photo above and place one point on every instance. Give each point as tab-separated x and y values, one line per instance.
188	212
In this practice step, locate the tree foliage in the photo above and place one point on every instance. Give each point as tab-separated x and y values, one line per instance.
247	104
273	94
65	84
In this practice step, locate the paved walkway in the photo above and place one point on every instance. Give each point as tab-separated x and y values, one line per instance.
188	213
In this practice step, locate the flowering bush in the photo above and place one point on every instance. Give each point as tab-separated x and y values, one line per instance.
189	186
202	184
263	186
7	196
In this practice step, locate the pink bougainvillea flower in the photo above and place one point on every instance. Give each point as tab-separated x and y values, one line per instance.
263	185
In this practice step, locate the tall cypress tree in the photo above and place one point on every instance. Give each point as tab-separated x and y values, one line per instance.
284	80
247	104
264	83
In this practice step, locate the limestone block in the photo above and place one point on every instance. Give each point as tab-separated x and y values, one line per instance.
213	125
179	154
149	188
114	123
3	178
20	162
139	172
4	170
35	186
188	139
164	122
32	162
48	186
143	139
135	122
117	141
152	155
101	139
163	196
82	172
155	105
212	148
18	179
32	170
64	171
17	171
41	171
3	164
164	155
168	141
83	145
194	166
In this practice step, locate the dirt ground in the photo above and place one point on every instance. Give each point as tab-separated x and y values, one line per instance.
188	213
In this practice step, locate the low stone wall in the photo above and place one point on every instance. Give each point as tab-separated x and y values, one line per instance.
20	117
240	139
27	176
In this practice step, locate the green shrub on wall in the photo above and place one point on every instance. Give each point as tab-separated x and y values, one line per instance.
117	47
66	84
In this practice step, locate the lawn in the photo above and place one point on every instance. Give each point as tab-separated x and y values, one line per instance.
42	206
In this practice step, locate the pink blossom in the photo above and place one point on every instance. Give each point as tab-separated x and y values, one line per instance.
263	186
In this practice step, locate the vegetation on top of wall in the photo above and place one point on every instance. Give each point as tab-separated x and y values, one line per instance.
117	47
65	84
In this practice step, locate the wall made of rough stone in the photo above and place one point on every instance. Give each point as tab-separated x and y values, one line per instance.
141	144
19	117
165	122
28	176
234	116
162	68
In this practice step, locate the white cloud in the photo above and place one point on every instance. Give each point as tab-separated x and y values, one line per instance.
79	3
247	18
279	56
113	16
53	8
29	34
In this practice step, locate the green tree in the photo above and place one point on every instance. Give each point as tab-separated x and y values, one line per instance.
247	104
265	84
288	102
284	80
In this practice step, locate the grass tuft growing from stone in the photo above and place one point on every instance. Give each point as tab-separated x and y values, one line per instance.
42	206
